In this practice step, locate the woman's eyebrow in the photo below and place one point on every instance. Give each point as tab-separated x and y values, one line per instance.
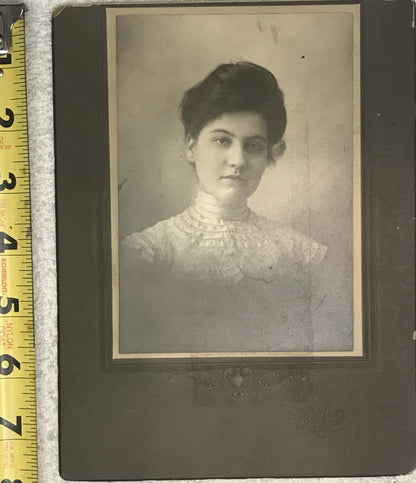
254	136
224	131
257	136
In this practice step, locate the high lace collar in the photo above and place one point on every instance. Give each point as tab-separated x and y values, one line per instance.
207	206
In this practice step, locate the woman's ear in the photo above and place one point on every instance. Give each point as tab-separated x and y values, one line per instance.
190	145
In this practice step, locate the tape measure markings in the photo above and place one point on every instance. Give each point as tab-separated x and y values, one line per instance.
18	452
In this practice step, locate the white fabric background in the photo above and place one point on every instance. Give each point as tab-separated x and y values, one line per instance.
41	143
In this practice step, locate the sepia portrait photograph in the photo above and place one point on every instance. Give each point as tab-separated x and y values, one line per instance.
235	181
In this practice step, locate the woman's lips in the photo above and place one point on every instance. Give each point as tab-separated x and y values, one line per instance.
233	177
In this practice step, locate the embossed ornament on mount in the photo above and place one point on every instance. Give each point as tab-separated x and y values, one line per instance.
294	385
321	422
235	380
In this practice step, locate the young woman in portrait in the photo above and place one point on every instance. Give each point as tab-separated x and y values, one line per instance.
218	277
234	124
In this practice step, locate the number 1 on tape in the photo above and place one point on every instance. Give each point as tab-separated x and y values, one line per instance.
18	449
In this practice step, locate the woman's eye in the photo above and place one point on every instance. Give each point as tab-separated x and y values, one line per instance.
223	141
255	147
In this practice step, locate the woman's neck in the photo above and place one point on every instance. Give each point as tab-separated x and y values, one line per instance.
212	206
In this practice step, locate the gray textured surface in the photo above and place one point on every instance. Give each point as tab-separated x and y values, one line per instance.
40	106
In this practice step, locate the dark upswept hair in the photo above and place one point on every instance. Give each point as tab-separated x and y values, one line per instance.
236	87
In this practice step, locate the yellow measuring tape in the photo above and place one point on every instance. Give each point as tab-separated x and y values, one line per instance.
18	449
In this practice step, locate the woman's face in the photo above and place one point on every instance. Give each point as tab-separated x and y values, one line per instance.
230	156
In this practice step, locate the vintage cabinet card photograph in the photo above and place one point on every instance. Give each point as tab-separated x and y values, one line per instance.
235	227
236	180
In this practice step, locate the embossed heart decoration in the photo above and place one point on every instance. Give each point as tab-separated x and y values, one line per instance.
238	380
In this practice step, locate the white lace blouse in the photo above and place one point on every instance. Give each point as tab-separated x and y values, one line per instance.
208	242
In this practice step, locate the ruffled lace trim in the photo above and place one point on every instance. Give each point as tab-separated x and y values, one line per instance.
209	243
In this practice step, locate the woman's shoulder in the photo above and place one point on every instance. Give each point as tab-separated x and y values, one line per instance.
293	243
148	237
153	243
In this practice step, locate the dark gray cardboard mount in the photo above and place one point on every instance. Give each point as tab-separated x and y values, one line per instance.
290	417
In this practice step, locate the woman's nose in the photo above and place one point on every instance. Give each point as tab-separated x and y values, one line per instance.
236	157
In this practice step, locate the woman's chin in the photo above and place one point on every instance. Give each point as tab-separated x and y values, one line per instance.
232	199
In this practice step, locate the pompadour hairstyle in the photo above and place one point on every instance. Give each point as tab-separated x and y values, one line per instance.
236	87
